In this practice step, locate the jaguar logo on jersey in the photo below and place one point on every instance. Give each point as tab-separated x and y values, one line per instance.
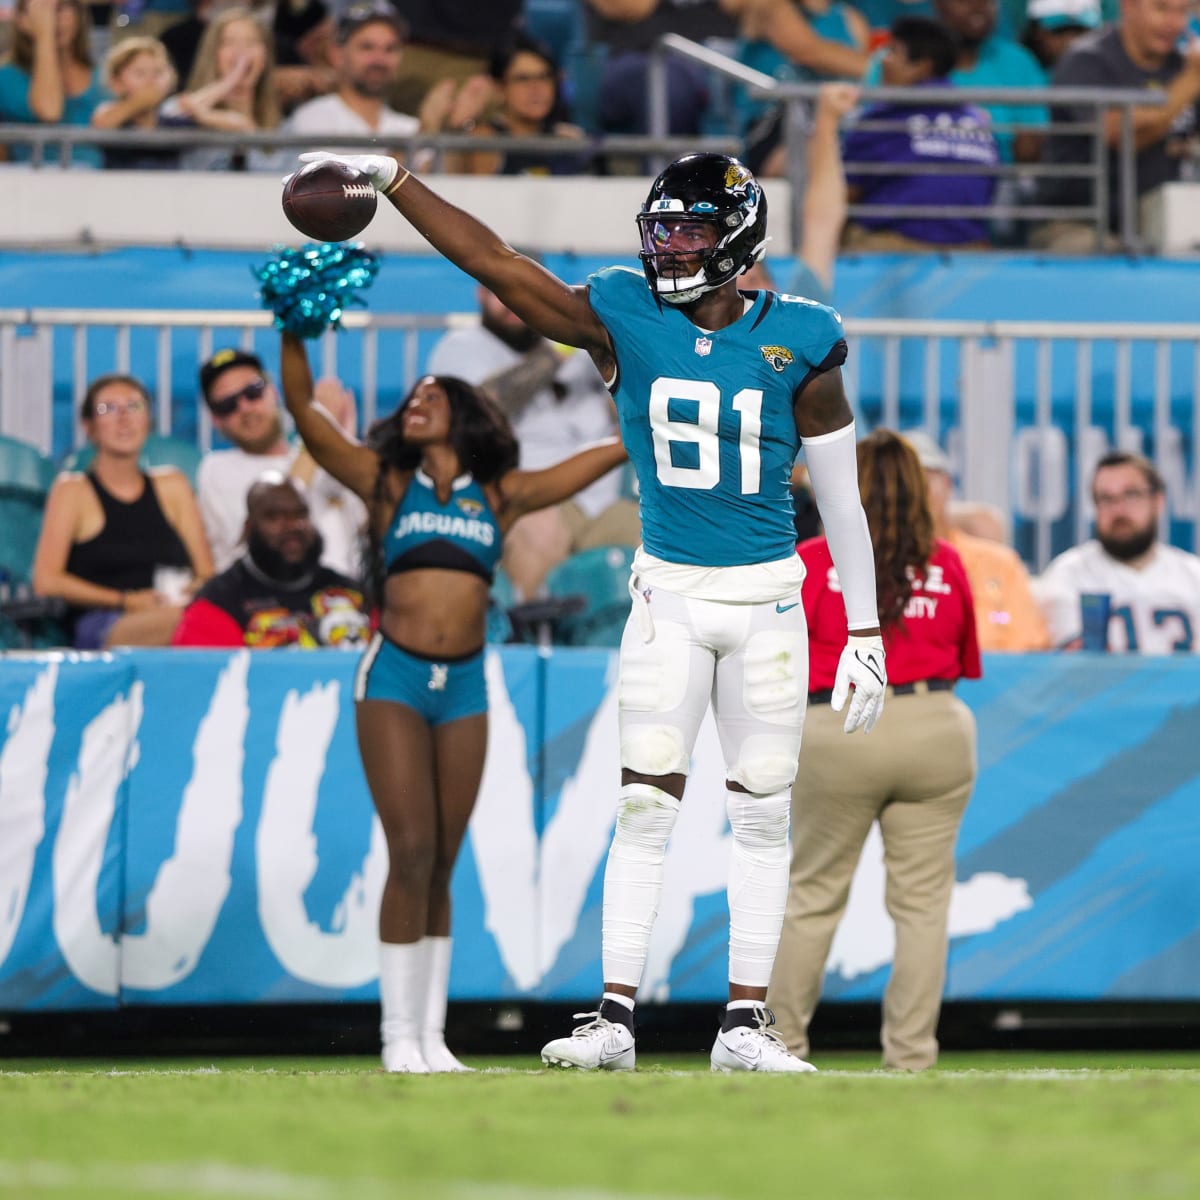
780	357
472	508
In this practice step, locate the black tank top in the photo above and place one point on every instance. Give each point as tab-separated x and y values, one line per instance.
135	539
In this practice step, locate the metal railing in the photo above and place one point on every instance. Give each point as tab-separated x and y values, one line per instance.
1025	408
798	97
658	147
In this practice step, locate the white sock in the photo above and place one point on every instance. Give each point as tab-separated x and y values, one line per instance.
433	1023
403	983
758	883
633	879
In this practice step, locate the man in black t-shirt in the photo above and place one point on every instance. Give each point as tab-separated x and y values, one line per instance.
277	594
1138	51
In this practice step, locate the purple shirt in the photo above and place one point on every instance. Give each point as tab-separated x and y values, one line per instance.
937	131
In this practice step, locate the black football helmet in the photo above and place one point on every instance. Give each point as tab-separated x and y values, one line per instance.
713	188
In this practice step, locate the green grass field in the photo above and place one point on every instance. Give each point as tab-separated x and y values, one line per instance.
1098	1126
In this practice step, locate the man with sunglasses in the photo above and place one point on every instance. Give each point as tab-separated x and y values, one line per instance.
245	411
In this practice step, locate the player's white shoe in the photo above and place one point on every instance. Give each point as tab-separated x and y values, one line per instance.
405	1058
755	1048
438	1058
597	1045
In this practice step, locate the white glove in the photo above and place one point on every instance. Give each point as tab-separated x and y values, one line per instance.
861	664
381	168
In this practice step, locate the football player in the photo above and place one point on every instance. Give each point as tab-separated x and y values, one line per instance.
715	389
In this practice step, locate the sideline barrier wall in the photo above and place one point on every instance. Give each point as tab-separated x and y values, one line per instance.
192	827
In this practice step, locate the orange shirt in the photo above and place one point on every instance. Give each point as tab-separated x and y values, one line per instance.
1006	615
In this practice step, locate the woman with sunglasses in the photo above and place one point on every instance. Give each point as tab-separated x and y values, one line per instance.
124	548
441	482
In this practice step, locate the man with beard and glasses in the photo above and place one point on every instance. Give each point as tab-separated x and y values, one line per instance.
556	402
244	407
369	44
1153	589
277	594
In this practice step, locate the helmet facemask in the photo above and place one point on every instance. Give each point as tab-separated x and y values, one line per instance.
718	200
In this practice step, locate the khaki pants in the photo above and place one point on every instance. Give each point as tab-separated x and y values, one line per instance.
913	774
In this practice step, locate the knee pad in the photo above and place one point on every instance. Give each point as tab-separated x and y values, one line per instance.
759	823
645	818
654	750
766	763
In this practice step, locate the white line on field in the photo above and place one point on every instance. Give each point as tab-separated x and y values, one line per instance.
229	1182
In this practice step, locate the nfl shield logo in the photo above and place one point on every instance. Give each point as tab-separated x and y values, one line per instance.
703	346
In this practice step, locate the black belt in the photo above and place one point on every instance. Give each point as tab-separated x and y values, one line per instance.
897	689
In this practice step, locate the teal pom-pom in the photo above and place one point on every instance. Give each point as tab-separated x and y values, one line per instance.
309	289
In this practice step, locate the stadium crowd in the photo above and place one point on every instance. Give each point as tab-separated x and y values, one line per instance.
572	71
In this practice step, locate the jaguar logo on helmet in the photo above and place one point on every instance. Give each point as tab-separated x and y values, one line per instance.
780	357
736	177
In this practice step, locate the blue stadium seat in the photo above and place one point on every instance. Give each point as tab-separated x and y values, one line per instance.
159	451
554	22
601	576
24	470
499	626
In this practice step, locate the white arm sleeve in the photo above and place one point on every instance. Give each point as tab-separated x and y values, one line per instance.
833	470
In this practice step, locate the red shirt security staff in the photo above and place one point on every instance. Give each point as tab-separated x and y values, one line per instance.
913	776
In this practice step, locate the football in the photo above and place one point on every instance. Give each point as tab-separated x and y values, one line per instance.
329	201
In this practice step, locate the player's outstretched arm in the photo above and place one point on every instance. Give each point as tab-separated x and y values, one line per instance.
542	300
347	460
528	491
826	426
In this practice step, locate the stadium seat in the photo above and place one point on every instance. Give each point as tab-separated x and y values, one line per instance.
24	471
601	576
499	626
159	451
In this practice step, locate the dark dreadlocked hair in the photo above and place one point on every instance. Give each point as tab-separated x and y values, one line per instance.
480	435
891	481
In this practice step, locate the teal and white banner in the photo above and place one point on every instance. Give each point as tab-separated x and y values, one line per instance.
191	827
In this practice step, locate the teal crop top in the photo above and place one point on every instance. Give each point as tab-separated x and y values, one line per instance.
460	535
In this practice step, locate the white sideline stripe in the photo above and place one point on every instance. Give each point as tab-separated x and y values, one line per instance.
261	1183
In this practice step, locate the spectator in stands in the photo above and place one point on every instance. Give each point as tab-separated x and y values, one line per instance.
139	74
914	776
117	544
978	520
1007	616
794	41
367	54
305	65
451	44
1152	589
628	30
939	130
1141	50
231	89
440	476
556	402
530	104
1053	26
987	58
244	407
823	207
50	78
277	594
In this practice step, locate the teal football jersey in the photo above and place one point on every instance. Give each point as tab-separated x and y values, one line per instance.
707	417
